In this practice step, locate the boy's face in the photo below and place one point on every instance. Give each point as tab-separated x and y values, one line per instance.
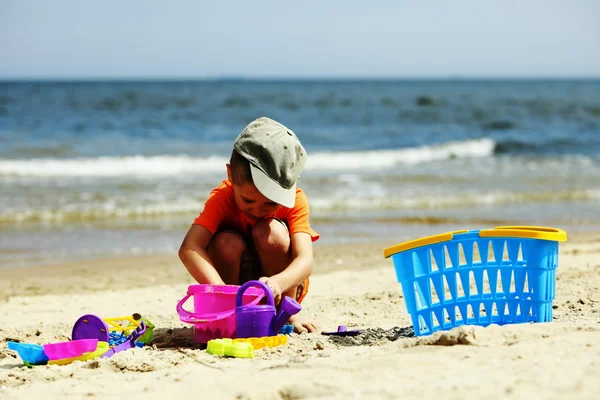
252	202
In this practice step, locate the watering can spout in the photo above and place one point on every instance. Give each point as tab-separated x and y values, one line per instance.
289	307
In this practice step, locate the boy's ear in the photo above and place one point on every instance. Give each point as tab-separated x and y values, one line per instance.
229	172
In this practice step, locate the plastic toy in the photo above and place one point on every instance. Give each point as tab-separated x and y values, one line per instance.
100	350
116	338
146	337
287	329
262	320
133	321
226	347
109	330
31	354
494	276
214	310
262	342
90	326
130	343
91	339
74	348
117	324
58	353
342	331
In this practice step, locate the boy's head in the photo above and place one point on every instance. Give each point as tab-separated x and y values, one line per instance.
274	159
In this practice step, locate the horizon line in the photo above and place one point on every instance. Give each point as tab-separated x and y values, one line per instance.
234	78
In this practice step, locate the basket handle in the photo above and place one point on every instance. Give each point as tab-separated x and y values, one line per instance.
191	318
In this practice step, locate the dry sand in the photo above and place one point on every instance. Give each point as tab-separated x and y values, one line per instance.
353	285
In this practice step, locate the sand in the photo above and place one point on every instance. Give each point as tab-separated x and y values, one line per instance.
352	285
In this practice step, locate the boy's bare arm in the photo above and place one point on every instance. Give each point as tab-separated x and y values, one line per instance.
194	256
302	262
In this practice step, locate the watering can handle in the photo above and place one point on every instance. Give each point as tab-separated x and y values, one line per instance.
265	288
190	318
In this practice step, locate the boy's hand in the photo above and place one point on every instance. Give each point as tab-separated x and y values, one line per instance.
274	286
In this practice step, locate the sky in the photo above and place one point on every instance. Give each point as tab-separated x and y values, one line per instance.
74	39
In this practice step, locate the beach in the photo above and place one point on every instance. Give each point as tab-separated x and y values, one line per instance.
352	285
414	122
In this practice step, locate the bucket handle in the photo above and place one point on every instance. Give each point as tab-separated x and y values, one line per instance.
190	317
259	284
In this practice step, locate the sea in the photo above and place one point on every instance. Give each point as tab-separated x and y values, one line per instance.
119	168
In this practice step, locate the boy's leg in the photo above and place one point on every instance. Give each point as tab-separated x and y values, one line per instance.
273	246
225	251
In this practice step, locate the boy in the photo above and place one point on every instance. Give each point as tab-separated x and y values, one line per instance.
255	224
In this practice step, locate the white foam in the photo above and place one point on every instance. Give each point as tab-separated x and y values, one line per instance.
182	164
375	200
380	159
114	166
449	201
95	211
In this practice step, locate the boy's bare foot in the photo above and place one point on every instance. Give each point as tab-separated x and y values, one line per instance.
302	326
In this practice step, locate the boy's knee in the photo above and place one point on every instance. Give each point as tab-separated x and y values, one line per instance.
183	253
227	245
271	235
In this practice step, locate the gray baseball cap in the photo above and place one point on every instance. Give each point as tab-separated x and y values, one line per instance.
276	159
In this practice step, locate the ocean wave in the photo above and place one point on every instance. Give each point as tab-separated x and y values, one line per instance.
113	166
448	201
182	164
377	159
111	210
84	212
410	220
556	146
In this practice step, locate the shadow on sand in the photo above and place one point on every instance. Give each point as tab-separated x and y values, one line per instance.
374	336
178	337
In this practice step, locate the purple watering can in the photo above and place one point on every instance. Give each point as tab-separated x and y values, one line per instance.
262	320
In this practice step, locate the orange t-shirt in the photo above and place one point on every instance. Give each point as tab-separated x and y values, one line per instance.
221	213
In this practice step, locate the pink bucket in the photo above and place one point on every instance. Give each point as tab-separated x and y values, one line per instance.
214	310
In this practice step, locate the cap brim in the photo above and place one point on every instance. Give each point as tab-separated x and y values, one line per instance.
271	190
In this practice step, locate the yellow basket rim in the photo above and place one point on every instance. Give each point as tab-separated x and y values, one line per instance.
411	244
528	232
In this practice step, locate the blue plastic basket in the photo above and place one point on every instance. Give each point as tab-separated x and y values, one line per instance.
504	275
